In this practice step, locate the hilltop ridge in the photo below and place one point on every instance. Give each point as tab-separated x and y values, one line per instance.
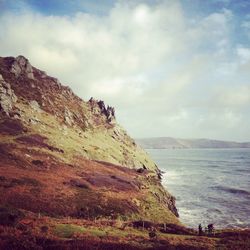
176	143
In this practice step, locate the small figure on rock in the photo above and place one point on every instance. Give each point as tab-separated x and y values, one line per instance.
210	228
200	229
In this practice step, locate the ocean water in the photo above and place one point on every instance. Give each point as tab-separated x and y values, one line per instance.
210	185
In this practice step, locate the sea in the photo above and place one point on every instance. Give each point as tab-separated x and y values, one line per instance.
210	185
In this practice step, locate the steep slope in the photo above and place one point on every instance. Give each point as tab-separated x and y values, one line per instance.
61	156
169	142
90	129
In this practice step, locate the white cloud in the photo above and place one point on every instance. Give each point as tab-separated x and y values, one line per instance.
246	24
233	98
152	62
244	54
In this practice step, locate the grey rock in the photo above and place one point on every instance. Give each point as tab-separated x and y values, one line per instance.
68	117
33	121
22	65
7	97
35	106
99	107
110	113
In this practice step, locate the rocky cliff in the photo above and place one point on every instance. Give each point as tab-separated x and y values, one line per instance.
62	156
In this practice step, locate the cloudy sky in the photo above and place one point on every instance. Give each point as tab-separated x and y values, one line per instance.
170	68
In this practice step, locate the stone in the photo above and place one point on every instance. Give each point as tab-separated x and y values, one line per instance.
34	120
35	106
110	114
22	65
7	97
68	117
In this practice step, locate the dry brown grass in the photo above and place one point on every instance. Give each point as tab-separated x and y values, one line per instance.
84	188
49	233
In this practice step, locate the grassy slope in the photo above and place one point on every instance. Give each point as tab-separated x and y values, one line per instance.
33	231
60	193
98	143
68	150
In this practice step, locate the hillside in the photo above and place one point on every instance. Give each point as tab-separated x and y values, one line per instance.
45	128
72	178
62	156
169	142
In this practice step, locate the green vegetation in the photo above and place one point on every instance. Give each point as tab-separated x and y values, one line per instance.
98	143
51	233
68	230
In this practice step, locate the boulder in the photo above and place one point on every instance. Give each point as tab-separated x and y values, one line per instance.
7	97
22	65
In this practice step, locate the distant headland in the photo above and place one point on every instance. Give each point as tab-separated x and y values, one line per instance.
176	143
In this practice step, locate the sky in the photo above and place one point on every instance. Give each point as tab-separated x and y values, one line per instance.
178	68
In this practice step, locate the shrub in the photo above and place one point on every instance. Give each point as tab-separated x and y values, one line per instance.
9	216
68	230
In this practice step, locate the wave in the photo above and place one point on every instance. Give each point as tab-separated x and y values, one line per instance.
240	157
231	190
213	166
210	186
242	170
214	211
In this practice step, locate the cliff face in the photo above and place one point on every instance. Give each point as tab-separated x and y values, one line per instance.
63	156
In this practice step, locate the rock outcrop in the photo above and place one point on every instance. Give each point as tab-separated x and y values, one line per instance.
108	112
21	65
7	97
68	117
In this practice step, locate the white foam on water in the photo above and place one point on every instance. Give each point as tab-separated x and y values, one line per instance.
190	178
